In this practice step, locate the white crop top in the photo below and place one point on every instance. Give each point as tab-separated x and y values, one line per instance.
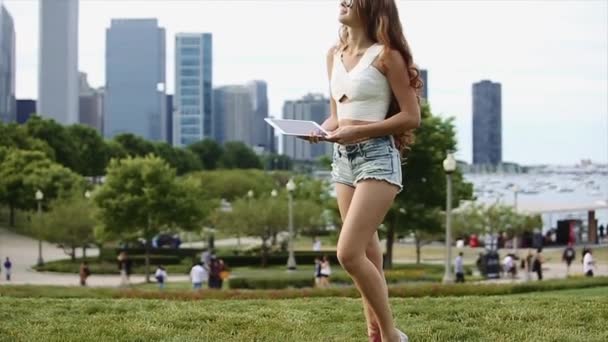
366	89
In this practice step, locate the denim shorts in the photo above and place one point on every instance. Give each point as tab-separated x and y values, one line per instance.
376	158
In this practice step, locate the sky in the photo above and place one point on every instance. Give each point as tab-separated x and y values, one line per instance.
550	56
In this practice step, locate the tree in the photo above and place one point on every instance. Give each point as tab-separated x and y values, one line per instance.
142	196
183	160
134	146
416	208
57	137
69	222
92	153
233	184
308	218
239	156
13	135
208	152
22	173
491	219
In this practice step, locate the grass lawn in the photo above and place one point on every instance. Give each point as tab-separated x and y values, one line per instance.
571	315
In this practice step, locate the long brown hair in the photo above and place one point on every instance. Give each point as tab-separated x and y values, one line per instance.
381	20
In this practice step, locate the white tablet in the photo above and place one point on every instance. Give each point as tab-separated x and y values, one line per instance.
299	128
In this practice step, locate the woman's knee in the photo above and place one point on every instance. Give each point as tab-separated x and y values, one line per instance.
348	258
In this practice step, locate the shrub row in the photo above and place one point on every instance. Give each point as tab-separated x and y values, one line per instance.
193	254
415	273
409	291
111	267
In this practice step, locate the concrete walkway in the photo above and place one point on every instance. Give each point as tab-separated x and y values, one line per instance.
23	252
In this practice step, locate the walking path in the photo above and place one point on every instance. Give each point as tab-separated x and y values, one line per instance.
23	252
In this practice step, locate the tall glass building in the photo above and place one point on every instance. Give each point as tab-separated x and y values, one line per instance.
487	123
193	98
8	105
135	99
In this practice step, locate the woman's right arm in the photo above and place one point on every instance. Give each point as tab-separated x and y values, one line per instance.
331	123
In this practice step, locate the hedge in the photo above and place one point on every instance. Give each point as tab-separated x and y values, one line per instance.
403	291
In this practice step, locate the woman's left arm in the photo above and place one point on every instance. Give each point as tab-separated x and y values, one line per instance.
409	117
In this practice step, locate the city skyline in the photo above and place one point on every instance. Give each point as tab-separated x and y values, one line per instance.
547	70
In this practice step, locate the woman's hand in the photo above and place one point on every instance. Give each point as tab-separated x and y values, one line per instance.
314	137
346	135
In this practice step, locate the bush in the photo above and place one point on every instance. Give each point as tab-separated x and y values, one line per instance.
266	284
111	267
403	291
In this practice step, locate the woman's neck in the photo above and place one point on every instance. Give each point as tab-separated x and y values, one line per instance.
358	40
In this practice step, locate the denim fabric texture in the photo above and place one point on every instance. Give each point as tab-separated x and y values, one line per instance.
376	158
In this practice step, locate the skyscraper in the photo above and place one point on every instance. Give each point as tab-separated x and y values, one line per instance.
135	79
90	105
261	131
313	107
233	109
487	123
424	74
58	61
25	109
169	119
193	99
8	104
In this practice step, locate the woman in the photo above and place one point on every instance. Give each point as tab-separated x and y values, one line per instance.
325	272
374	108
161	276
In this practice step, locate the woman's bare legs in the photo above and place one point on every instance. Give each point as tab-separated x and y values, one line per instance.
369	204
373	252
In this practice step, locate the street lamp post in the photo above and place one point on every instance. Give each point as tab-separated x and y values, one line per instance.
291	261
449	166
39	198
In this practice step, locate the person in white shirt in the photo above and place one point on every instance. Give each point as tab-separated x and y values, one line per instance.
198	275
161	276
325	272
316	246
459	268
509	265
588	264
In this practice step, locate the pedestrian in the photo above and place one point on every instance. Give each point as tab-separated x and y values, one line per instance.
214	273
84	273
198	276
568	256
459	268
316	245
537	264
509	266
161	276
125	267
224	273
602	233
480	264
206	257
8	265
317	273
325	272
528	265
588	264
